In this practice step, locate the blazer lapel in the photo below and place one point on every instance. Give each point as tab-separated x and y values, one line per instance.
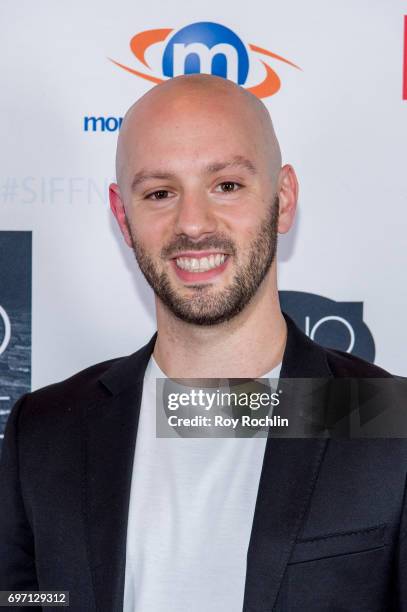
110	431
289	472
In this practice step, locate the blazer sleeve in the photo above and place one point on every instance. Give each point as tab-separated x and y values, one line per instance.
17	558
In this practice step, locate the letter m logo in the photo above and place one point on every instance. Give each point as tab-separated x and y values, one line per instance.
208	48
199	52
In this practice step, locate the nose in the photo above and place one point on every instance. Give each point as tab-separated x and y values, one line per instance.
195	216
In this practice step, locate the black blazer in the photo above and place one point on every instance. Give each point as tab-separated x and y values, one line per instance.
330	525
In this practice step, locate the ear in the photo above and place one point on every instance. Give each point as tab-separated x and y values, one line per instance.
288	196
117	208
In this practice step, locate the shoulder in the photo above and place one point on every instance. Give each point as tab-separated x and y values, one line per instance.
96	381
52	410
82	388
304	358
345	365
61	407
80	384
87	387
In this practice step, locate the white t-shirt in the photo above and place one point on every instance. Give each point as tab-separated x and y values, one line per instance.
191	510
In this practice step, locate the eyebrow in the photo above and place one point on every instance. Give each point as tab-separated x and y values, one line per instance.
238	161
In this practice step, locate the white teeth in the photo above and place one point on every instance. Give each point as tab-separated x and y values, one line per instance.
203	264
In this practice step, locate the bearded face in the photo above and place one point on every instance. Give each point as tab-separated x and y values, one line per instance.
205	302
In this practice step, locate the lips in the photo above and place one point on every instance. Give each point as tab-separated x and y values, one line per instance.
202	266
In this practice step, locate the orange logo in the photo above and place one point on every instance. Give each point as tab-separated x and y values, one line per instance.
205	47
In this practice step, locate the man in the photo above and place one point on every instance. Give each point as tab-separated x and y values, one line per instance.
92	502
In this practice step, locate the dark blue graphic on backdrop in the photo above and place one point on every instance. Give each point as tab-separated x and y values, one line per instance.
15	320
337	325
206	47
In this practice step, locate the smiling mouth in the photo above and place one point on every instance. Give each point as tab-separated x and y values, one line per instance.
200	264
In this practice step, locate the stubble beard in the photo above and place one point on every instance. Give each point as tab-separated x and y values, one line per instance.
206	306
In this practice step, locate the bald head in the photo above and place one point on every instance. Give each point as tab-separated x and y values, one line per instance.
186	102
201	196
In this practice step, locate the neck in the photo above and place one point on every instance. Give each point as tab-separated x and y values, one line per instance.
248	346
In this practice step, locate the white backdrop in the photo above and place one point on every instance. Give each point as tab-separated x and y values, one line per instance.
341	122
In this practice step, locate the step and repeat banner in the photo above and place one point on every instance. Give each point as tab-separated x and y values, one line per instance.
334	78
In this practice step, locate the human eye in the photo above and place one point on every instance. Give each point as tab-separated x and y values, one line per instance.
228	187
159	194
